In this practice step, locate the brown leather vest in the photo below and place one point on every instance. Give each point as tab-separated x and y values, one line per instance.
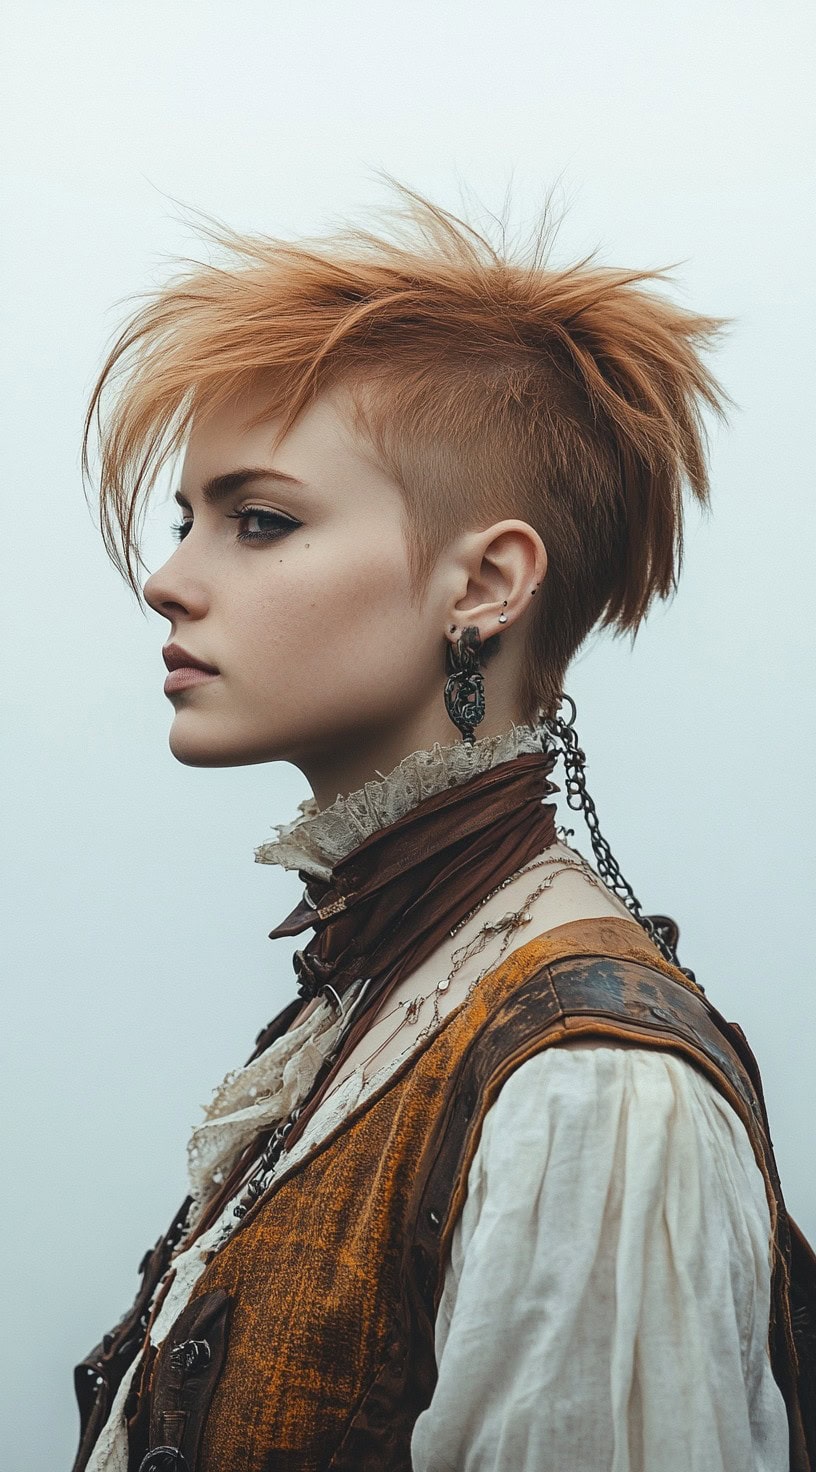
308	1342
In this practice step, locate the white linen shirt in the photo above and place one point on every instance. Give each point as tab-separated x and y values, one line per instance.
606	1304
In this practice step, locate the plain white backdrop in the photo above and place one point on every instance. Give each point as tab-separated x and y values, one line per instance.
135	960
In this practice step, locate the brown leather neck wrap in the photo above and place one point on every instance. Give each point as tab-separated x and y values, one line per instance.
391	900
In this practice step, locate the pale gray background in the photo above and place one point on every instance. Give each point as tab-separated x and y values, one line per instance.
135	953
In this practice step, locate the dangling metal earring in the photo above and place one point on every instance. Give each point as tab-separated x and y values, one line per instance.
561	733
464	688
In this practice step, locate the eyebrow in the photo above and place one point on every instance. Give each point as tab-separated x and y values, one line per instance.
220	487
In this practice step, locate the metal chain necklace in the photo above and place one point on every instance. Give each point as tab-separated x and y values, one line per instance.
267	1161
661	929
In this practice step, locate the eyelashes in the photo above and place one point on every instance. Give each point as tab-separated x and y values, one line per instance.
276	525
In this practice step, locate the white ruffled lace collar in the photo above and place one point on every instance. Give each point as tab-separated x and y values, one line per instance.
318	839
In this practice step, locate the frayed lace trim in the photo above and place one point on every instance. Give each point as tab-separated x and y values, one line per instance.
317	840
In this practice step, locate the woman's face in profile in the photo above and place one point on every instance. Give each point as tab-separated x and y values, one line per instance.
295	589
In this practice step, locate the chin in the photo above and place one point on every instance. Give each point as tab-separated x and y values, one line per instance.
195	749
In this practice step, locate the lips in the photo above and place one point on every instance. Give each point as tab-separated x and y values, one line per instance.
177	658
186	677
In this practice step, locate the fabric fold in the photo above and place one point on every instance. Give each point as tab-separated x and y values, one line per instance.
616	1201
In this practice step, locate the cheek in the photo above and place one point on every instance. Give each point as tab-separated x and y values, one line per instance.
355	582
331	618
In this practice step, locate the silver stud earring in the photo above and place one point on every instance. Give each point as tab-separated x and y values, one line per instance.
503	616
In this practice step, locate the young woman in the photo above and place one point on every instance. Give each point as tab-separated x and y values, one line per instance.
495	1190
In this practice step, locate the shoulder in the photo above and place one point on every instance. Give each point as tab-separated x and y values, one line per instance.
579	1072
577	989
581	1077
642	1121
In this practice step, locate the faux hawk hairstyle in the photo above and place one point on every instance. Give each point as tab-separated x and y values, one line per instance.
489	385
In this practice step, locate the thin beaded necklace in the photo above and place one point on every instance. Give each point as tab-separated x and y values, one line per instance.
265	1169
509	923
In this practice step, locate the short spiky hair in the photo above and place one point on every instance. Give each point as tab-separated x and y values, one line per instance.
488	387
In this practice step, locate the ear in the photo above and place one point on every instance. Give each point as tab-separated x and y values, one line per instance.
502	568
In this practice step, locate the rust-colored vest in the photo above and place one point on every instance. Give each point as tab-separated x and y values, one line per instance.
317	1316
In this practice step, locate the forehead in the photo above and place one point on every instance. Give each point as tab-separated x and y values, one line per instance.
322	444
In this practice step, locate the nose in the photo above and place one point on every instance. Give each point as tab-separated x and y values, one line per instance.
171	592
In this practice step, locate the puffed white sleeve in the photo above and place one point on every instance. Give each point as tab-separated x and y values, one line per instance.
606	1302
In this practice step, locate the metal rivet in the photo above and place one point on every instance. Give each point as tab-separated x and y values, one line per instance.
191	1356
163	1459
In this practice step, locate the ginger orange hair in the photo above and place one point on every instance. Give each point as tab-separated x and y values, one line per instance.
487	386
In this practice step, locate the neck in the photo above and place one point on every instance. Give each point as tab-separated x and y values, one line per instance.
342	766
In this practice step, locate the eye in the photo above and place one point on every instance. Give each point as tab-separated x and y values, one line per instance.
179	529
271	525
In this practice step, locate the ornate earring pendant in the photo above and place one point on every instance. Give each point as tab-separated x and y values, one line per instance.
464	689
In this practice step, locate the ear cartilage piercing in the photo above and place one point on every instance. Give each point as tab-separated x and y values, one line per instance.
503	616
